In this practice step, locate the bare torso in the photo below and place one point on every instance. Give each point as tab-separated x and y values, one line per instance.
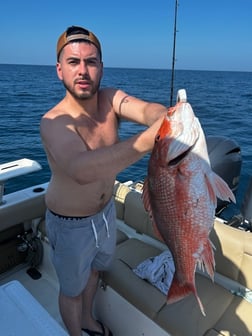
66	196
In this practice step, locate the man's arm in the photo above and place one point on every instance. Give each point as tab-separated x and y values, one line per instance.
69	152
137	110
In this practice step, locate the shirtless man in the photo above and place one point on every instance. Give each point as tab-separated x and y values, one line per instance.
80	137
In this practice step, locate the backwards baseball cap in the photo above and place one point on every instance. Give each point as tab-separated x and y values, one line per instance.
75	33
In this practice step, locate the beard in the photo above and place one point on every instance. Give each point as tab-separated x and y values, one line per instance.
82	95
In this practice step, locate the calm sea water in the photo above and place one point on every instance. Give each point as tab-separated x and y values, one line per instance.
221	100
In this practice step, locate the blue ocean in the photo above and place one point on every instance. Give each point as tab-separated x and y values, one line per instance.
221	100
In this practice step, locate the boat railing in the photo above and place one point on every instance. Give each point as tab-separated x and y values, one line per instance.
13	169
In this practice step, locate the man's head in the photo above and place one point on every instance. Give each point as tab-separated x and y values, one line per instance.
77	34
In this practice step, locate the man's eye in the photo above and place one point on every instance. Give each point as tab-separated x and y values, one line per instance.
73	61
92	62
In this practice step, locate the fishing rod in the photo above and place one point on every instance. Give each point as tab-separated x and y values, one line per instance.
174	52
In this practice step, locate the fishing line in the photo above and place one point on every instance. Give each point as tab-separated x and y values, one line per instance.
174	52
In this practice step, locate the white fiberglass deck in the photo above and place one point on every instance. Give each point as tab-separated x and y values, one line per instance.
22	314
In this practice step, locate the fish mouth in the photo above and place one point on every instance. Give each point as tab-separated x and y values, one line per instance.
180	157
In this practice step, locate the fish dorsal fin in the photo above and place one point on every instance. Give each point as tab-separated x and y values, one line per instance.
145	196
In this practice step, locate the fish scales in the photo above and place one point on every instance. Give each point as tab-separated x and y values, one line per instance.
180	195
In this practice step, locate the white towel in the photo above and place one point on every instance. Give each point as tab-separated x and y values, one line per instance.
157	270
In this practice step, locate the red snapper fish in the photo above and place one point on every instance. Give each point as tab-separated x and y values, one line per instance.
180	193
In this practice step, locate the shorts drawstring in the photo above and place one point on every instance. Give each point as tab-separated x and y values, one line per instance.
106	224
95	232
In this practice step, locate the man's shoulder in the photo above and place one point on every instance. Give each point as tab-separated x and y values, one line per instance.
107	93
53	119
54	111
112	95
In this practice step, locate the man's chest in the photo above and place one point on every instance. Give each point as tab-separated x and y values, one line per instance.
99	134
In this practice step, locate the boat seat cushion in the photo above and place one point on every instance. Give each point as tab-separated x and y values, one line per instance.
215	300
237	318
120	237
233	253
121	278
219	303
136	216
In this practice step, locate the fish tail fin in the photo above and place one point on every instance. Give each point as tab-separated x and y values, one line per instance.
178	292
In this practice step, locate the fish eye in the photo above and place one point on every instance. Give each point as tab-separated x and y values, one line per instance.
157	138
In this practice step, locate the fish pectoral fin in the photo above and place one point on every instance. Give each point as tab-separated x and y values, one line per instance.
219	188
176	150
176	160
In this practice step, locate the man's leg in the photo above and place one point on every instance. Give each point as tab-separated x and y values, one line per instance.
76	311
88	295
88	298
71	312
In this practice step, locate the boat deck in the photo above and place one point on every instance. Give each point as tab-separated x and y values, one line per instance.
44	289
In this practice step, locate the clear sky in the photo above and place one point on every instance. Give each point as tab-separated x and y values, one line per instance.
212	34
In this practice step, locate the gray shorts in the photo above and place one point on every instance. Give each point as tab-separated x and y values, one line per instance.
79	245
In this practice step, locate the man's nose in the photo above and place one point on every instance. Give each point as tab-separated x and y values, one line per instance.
82	67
